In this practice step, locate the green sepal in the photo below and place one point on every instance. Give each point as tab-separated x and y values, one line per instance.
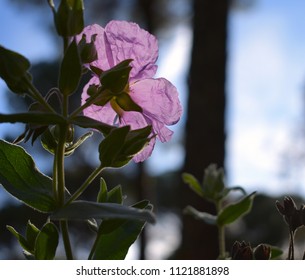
84	210
232	212
69	18
115	237
14	70
126	103
70	70
49	142
46	242
116	78
21	178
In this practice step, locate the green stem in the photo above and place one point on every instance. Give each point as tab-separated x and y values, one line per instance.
60	173
221	236
66	239
88	102
38	97
60	165
84	186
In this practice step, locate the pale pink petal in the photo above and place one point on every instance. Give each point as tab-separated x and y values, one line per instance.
128	41
158	98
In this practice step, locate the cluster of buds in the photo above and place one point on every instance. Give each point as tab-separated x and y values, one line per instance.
244	251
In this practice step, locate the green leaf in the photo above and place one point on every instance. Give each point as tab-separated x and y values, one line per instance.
84	210
233	211
33	118
86	122
115	195
21	178
275	252
46	242
31	234
193	183
103	193
116	236
14	70
70	70
22	241
203	216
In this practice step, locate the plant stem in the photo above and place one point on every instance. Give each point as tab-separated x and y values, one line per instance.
88	102
83	187
66	239
221	235
291	246
38	97
60	168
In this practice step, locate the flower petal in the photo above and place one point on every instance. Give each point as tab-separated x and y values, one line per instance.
128	41
158	99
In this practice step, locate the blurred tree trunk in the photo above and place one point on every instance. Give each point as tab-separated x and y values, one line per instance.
205	128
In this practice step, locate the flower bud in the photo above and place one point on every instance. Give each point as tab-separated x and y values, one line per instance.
242	251
262	252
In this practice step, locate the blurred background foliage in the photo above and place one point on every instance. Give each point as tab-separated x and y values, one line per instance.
203	136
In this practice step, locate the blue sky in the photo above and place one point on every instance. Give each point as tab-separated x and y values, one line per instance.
266	78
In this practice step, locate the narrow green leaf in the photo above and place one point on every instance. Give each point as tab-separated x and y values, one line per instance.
22	241
31	234
84	210
86	122
21	178
203	216
115	195
193	183
33	118
70	70
103	193
235	210
46	242
116	236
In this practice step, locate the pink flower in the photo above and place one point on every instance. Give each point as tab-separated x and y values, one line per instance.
158	98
